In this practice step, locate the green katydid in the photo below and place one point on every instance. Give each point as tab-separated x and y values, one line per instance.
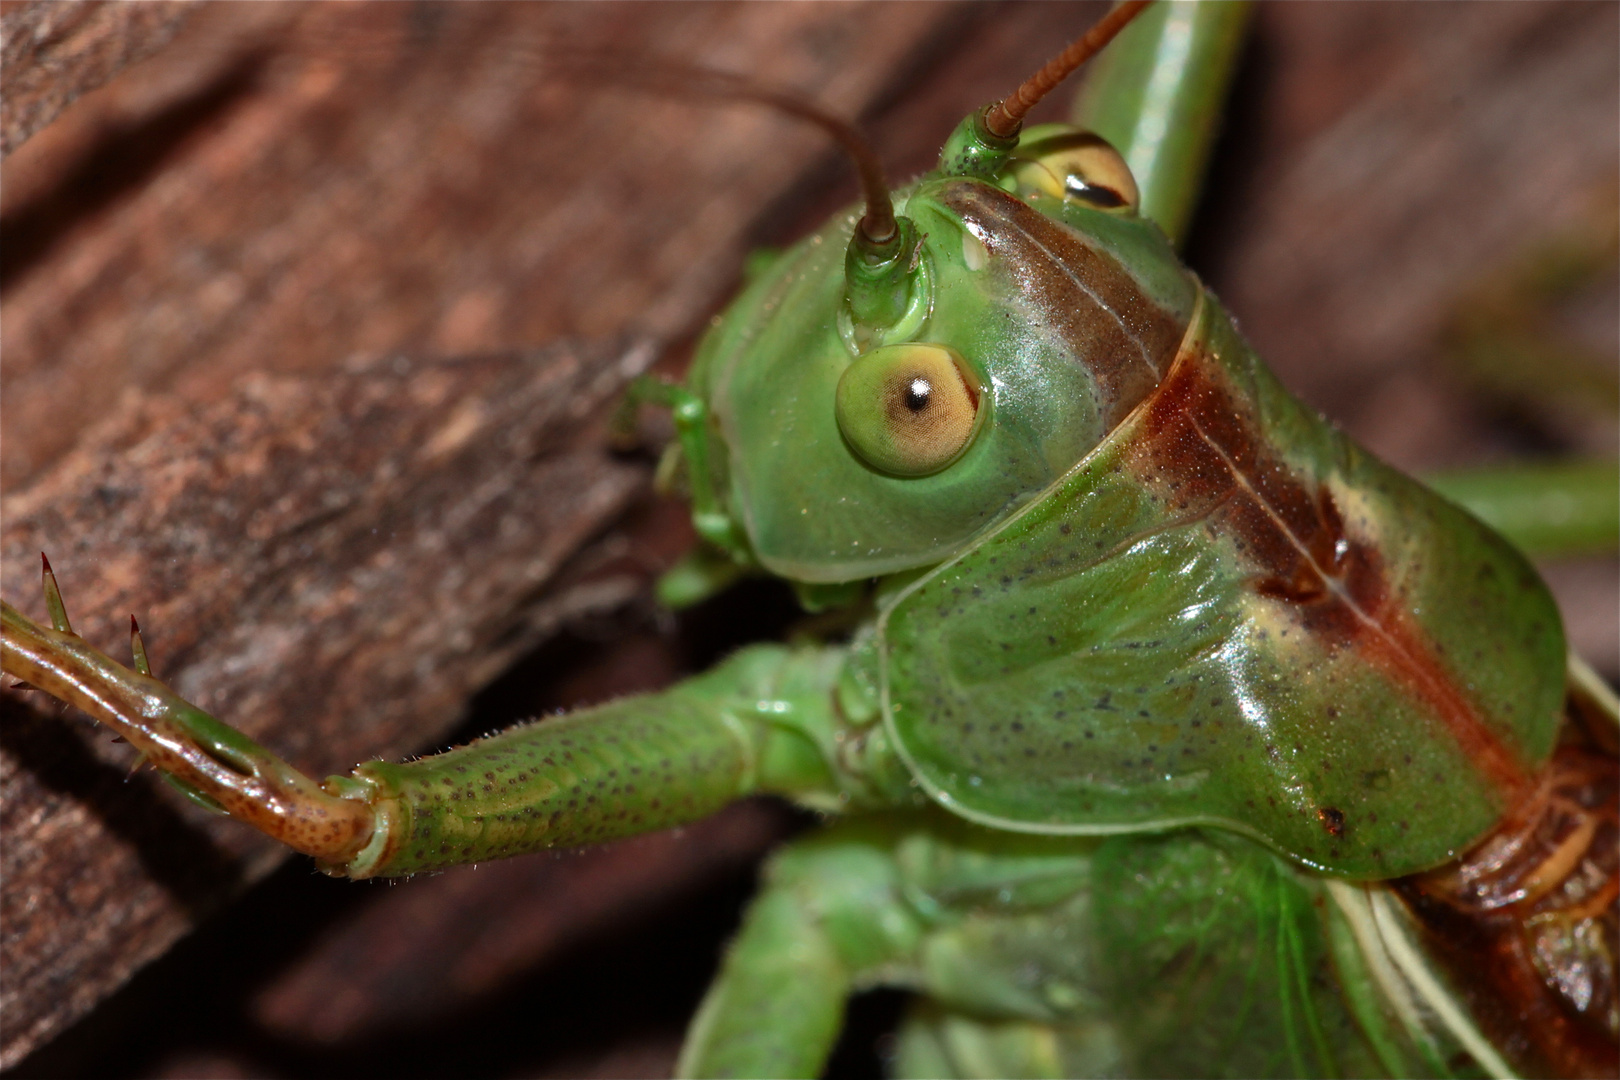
852	433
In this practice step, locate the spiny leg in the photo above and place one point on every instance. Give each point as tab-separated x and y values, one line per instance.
763	721
208	760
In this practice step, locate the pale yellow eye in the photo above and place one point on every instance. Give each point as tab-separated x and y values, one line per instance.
908	410
1080	167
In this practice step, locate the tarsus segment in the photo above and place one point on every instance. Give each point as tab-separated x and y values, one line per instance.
247	781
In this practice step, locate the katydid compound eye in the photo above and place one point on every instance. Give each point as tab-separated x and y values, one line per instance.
909	410
1081	167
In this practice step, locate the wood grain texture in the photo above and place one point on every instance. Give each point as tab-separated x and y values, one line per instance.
244	231
359	553
53	52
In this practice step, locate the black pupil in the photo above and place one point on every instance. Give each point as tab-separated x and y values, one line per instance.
1095	194
918	391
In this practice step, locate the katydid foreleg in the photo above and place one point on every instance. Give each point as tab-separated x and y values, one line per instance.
763	722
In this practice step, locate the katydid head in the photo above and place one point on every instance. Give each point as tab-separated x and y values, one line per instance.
880	400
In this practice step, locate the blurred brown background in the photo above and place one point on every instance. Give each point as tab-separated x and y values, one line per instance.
309	322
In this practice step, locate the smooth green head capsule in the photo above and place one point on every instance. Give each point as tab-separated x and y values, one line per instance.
1061	309
910	410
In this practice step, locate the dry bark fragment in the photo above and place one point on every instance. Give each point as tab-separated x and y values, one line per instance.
51	52
357	554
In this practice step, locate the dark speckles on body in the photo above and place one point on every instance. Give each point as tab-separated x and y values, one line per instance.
1332	820
1199	438
1287	527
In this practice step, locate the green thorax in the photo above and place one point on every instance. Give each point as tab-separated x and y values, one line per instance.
1230	614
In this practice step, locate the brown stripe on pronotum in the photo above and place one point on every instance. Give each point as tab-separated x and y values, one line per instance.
1200	446
1109	322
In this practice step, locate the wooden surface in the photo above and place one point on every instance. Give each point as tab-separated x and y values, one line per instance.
210	266
53	53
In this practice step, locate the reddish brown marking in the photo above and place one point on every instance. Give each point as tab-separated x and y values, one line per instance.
1332	820
1200	449
1108	323
1402	651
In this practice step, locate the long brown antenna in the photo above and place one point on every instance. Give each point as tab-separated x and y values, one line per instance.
1005	118
689	80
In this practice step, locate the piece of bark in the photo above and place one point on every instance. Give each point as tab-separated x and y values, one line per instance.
52	51
356	554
